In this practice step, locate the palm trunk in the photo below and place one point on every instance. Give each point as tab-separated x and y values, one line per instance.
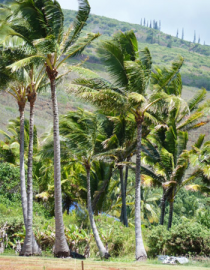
140	250
163	206
171	213
98	196
30	246
22	169
126	175
36	249
61	248
123	217
102	249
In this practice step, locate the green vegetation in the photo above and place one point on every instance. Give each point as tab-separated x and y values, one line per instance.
123	175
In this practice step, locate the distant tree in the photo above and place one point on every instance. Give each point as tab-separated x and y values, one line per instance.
147	24
204	43
144	22
177	33
199	40
182	33
194	40
150	26
160	25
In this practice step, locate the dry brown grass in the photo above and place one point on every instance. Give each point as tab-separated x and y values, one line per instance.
37	263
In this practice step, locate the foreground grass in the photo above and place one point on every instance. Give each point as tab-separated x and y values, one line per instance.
40	263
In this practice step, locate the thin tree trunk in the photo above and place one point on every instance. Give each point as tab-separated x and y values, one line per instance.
30	246
61	248
98	196
22	168
36	249
123	218
140	250
102	249
126	175
163	206
171	213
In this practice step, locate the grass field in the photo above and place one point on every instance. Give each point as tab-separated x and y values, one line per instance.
37	263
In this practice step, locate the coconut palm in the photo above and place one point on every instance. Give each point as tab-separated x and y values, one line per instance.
51	46
200	161
168	160
83	134
20	89
185	116
130	72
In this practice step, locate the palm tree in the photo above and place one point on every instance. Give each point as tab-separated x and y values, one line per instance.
83	134
185	116
130	72
19	89
167	160
52	47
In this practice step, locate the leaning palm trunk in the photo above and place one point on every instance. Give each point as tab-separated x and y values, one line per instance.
61	248
102	249
123	217
98	196
163	206
140	250
30	246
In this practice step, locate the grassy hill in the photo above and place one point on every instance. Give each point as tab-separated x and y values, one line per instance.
164	49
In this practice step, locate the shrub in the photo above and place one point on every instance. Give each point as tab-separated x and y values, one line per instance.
186	238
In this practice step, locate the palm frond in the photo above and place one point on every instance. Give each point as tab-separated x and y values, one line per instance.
136	75
164	77
54	18
112	56
128	43
198	97
84	72
191	122
182	142
26	61
200	141
93	83
79	46
78	24
146	60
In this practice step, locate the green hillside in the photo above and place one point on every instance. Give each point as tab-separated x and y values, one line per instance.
195	71
164	48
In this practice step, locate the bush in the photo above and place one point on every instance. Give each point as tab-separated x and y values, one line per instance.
187	238
9	181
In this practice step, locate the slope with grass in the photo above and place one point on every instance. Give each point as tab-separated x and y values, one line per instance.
164	48
195	71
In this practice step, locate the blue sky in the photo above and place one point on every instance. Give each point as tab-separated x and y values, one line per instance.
192	15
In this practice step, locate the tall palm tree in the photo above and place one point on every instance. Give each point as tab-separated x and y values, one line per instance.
19	89
51	46
130	71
